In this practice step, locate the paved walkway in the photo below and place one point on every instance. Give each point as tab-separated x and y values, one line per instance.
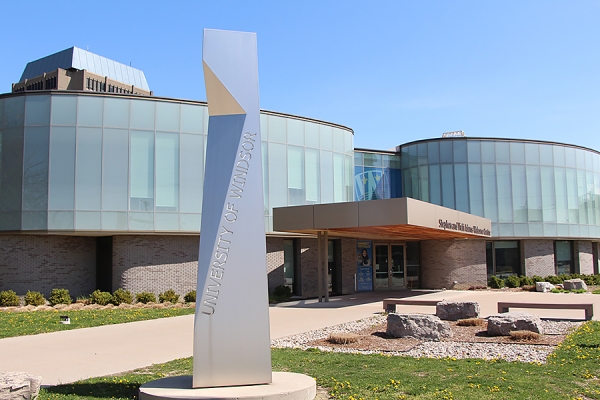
67	356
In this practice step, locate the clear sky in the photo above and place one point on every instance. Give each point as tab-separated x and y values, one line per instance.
394	71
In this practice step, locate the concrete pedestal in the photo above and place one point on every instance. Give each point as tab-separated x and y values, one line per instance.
285	386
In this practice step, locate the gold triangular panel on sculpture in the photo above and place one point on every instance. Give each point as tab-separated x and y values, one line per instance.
220	100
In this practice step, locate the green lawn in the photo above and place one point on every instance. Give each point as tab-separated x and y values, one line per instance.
572	372
34	322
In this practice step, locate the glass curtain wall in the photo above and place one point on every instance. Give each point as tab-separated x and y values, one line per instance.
376	176
526	188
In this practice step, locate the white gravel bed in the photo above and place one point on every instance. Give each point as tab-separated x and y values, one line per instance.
487	351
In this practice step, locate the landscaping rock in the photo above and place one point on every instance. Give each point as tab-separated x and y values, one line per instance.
503	324
19	386
544	287
574	284
418	326
455	310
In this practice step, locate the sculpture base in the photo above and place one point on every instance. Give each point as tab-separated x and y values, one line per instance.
285	385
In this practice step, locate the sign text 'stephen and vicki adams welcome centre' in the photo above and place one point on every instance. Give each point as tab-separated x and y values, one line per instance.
231	332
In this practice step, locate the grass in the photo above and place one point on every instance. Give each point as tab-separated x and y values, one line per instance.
572	372
35	322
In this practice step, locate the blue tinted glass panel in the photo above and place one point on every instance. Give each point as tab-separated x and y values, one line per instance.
412	155
433	152
338	178
414	181
278	175
142	114
166	221
488	154
278	129
192	119
14	112
534	193
311	135
313	181
35	169
424	183
490	196
570	157
475	190
407	180
115	167
372	160
532	153
502	152
167	116
326	176
422	153
582	196
559	155
447	185
189	222
505	207
359	186
589	164
580	158
572	198
474	151
37	110
591	213
295	133
89	111
167	171
295	178
114	221
61	220
326	134
265	173
446	151
560	190
396	183
519	193
11	176
141	169
62	169
64	110
435	190
116	113
88	220
548	198
372	179
546	154
192	173
358	158
141	221
517	153
88	177
460	151
462	187
34	220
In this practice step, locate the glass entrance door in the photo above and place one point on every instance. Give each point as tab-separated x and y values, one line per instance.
389	266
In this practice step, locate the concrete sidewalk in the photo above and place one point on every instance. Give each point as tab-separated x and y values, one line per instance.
67	356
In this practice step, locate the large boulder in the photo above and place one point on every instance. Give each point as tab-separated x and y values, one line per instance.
544	287
455	310
503	324
19	386
418	326
574	284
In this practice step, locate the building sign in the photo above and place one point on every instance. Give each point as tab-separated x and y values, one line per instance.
454	134
461	227
232	289
364	266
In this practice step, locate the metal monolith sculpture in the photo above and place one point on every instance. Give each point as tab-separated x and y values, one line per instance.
231	332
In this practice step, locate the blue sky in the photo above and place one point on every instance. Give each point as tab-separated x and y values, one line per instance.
394	71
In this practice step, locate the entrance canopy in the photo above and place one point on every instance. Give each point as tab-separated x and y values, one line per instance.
391	219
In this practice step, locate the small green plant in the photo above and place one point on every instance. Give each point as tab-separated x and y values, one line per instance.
513	281
578	291
34	299
85	300
553	279
60	296
343	337
555	290
8	298
169	296
190	297
496	283
526	281
537	278
281	293
101	298
145	297
597	291
121	296
470	322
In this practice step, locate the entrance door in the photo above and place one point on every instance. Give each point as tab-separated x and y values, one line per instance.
389	266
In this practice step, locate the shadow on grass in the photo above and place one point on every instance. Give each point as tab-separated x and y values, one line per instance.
98	389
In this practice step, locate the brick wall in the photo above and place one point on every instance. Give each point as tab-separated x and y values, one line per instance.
539	257
155	263
275	262
446	261
586	257
42	263
348	265
308	262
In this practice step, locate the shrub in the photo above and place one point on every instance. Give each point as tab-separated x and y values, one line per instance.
85	300
8	298
513	281
34	299
145	297
470	322
281	293
524	335
496	283
578	291
597	291
190	297
526	281
553	279
537	278
169	296
342	338
60	296
121	296
100	298
529	288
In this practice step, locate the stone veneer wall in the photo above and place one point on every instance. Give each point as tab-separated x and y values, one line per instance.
446	261
539	257
155	263
275	259
348	265
43	263
586	257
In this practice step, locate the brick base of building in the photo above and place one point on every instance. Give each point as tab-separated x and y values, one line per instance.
444	262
